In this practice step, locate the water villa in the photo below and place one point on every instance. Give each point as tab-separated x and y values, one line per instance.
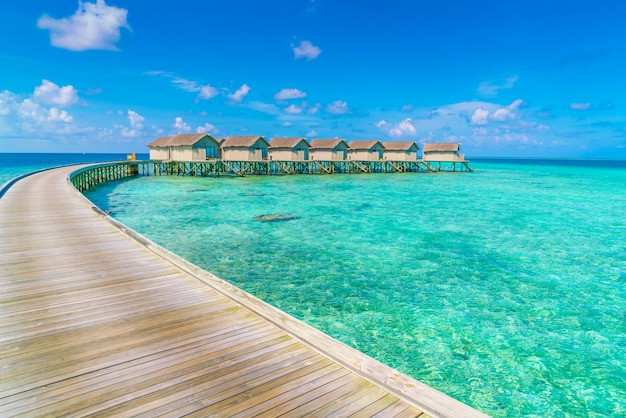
329	149
289	149
184	147
371	150
443	151
401	151
245	148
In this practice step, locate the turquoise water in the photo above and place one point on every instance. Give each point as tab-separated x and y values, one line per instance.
503	288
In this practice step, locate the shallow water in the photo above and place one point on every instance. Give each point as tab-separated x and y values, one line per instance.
503	288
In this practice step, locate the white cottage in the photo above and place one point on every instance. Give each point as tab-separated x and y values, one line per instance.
443	151
289	149
400	151
370	150
184	147
328	150
245	148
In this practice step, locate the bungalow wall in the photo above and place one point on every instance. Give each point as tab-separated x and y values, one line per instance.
328	154
445	156
374	154
244	154
400	155
300	153
159	153
182	153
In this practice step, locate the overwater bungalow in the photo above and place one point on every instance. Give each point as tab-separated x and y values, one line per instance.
400	151
443	151
328	150
245	148
368	150
184	147
289	149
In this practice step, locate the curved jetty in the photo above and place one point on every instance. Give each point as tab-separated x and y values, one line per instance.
96	319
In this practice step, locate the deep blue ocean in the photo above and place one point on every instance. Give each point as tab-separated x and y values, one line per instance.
504	288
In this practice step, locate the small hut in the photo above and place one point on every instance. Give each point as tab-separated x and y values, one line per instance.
184	147
289	149
443	151
369	150
245	148
328	150
400	151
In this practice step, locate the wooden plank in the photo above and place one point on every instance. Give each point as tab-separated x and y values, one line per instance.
203	352
253	397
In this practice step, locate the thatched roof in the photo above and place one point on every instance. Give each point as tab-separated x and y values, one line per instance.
182	139
326	143
286	142
399	146
363	145
241	141
441	146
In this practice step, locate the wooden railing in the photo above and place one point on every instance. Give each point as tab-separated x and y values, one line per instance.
85	178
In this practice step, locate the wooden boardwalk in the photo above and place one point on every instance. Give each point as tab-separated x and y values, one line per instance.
95	320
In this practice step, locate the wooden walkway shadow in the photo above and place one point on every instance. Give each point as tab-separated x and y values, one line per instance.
97	320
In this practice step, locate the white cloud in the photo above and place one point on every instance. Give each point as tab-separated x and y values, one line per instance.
31	116
136	125
311	133
286	94
7	99
187	85
181	125
482	116
580	106
267	108
479	117
487	89
314	109
51	94
403	128
207	92
204	92
135	119
93	26
56	115
241	92
206	128
306	50
338	107
293	109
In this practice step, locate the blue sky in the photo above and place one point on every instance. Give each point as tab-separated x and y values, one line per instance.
504	78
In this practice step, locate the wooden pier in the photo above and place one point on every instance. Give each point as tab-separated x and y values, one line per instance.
99	173
97	320
216	168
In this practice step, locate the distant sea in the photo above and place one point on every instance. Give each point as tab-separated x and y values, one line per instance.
504	288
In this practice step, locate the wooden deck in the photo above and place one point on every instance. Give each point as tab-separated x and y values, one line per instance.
97	320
